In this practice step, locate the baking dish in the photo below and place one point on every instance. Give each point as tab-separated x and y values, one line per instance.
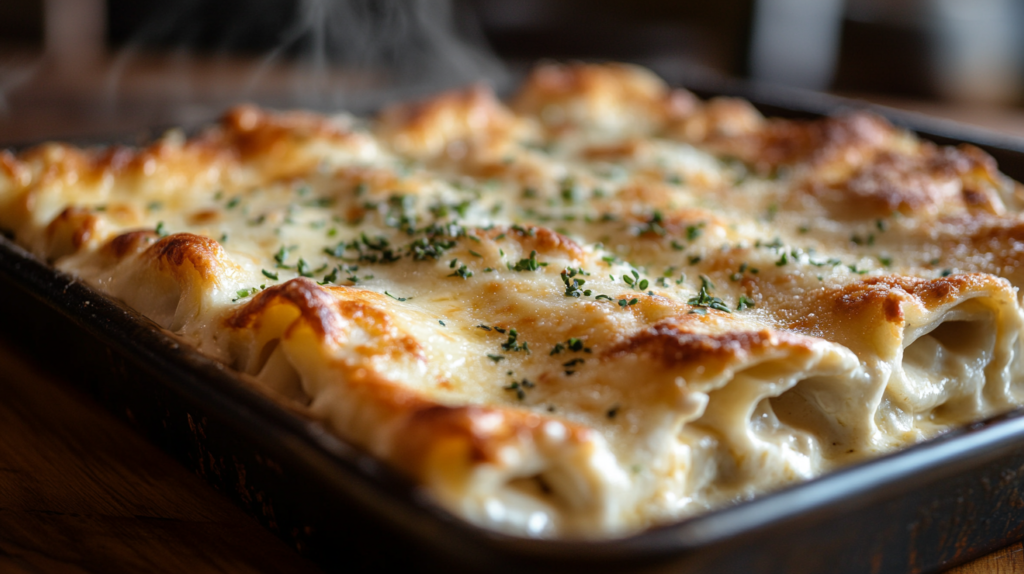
911	510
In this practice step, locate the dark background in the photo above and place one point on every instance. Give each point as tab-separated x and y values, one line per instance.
72	67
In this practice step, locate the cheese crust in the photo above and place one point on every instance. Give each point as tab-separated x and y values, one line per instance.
602	306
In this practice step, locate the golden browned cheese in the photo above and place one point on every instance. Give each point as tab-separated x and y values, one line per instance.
604	306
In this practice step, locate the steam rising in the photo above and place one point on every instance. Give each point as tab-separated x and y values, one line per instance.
353	54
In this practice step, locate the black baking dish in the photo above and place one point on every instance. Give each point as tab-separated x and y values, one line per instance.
931	506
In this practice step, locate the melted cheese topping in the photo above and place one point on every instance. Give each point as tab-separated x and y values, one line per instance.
605	306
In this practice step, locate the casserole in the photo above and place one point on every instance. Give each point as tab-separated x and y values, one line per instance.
650	221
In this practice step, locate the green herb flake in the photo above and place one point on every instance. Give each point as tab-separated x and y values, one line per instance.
462	271
526	264
243	293
705	300
397	298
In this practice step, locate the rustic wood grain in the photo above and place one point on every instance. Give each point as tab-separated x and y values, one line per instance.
81	492
1009	560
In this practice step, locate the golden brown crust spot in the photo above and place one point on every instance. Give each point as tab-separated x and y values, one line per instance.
542	239
255	132
130	242
627	149
204	216
931	181
767	144
437	423
191	163
482	432
673	345
428	127
12	168
600	88
720	120
70	230
892	290
315	306
880	304
330	312
201	252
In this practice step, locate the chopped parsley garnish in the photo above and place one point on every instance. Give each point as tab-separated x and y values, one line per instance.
233	202
635	281
519	387
705	300
654	224
442	323
329	278
462	271
496	358
243	293
574	344
574	284
858	240
270	275
281	256
320	202
397	298
744	303
624	302
513	344
527	264
161	231
336	251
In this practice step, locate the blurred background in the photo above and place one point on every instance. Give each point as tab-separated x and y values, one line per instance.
74	68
